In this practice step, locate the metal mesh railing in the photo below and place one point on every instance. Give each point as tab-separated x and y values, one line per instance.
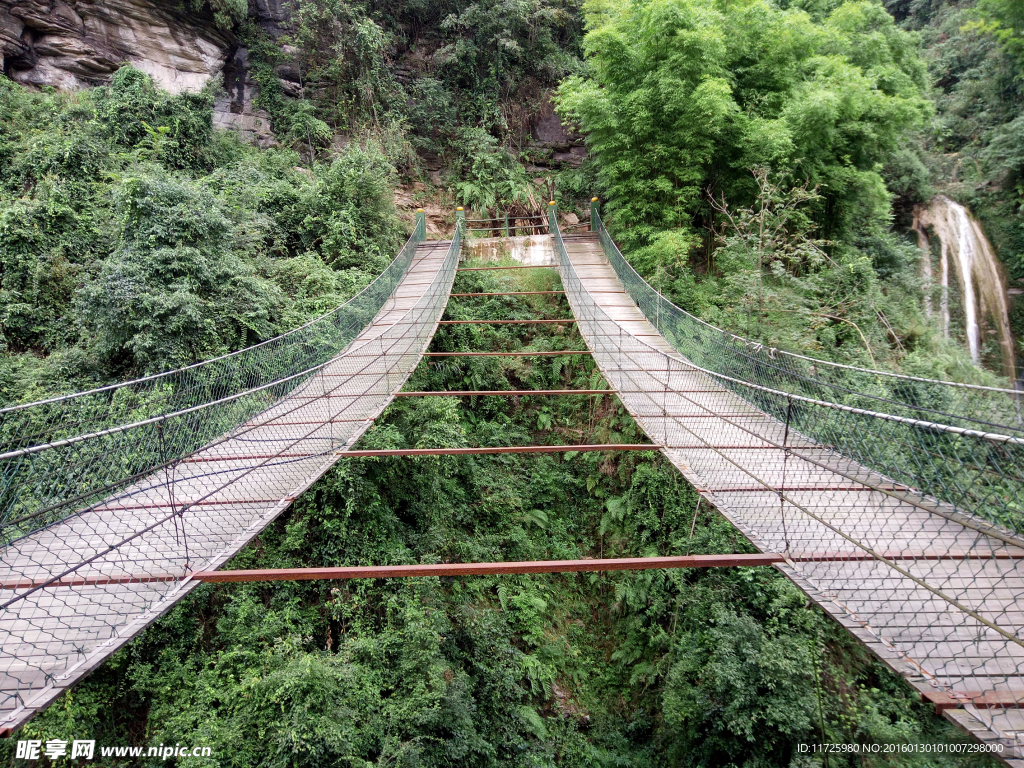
74	591
885	518
972	406
64	453
937	439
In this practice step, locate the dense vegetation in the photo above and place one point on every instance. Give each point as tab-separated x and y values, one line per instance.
754	155
135	238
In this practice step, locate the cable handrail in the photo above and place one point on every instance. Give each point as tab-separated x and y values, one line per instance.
931	425
62	451
418	236
979	405
776	350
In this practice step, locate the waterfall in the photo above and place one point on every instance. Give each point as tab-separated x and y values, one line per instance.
978	272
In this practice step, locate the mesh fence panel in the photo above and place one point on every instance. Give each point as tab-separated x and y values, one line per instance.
61	454
973	406
902	527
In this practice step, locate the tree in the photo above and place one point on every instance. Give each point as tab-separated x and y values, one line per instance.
682	95
173	292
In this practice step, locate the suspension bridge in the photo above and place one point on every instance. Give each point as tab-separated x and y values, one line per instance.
895	502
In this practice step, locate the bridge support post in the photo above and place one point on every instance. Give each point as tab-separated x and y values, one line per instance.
421	224
552	217
506	223
593	214
460	220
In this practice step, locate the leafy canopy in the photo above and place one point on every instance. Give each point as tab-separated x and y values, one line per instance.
686	95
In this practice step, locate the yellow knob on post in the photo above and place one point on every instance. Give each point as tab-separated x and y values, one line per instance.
593	199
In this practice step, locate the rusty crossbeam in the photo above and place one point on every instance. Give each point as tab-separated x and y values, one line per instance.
504	322
89	581
507	392
942	700
484	569
510	293
509	354
587	448
506	449
480	269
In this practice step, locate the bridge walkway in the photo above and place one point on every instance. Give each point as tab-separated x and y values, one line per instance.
791	495
224	495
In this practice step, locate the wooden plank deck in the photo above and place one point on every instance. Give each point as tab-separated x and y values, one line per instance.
228	492
910	612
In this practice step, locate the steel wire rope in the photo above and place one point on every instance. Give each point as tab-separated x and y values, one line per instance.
633	277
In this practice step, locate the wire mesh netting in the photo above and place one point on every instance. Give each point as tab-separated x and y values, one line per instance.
902	527
60	454
967	405
130	509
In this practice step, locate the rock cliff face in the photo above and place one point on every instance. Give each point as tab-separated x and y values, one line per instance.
75	43
71	44
553	145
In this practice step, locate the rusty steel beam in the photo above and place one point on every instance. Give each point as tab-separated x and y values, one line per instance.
505	449
504	322
437	451
981	699
942	700
89	581
509	354
509	293
484	569
479	269
507	392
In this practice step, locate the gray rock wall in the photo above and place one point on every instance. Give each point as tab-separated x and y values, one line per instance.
70	44
78	43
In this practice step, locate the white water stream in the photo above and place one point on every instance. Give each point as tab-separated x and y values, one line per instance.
978	271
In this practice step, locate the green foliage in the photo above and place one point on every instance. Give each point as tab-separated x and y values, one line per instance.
351	215
133	238
492	178
173	292
1005	20
175	131
684	95
227	13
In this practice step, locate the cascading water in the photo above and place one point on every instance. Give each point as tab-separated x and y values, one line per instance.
978	271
